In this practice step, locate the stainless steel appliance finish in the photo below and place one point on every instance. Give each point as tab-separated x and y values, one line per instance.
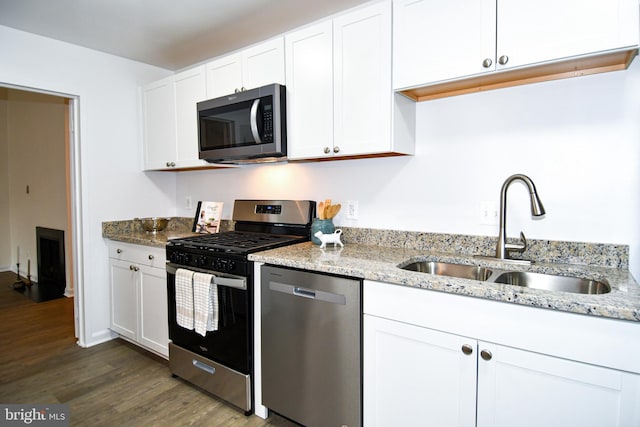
311	347
247	126
221	362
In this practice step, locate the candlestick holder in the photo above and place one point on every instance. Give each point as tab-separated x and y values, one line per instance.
19	283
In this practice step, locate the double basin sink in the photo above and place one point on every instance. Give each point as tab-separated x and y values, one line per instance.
549	282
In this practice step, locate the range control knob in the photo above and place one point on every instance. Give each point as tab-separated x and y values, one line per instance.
202	261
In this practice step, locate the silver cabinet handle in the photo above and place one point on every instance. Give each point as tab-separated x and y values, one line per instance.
486	354
467	349
236	90
119	251
242	89
327	150
336	149
487	63
151	257
503	59
170	164
133	268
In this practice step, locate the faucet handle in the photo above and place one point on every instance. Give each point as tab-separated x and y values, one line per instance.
517	247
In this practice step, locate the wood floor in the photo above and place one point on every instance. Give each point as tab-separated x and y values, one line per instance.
110	384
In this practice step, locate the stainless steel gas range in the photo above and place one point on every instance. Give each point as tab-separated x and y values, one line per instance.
219	357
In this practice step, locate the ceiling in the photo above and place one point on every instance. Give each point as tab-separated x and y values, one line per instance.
171	34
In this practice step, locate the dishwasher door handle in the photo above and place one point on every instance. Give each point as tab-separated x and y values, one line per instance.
302	292
313	294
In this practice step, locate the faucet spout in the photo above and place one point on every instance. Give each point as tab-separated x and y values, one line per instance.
537	209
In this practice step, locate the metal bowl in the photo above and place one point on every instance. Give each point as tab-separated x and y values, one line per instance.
154	224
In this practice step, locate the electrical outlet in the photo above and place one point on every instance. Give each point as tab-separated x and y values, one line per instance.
352	209
188	203
489	213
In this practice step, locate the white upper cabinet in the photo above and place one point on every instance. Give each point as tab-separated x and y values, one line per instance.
159	124
362	81
546	30
190	87
339	98
309	76
253	67
437	41
170	121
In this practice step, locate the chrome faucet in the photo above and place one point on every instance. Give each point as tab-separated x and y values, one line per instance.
503	248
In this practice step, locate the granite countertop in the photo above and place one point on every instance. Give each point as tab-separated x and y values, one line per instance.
380	263
376	254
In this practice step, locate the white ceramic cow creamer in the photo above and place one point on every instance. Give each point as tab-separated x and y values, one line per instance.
329	238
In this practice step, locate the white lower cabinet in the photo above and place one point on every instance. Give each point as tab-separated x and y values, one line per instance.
139	295
416	376
421	376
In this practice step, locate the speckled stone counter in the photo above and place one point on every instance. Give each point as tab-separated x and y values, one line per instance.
130	231
376	254
380	263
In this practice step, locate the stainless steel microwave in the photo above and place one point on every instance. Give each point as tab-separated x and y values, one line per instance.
248	126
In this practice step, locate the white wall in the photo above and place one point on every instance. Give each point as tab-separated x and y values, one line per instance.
112	185
578	139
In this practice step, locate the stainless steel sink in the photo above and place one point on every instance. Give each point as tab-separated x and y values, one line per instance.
552	282
549	282
462	271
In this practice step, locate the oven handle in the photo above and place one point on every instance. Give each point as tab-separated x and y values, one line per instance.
236	282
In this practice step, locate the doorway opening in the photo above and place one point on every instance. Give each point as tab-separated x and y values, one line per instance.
32	209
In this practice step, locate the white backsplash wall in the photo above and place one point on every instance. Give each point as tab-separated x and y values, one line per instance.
578	139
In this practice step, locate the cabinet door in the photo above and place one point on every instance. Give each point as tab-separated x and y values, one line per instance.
413	373
124	298
309	76
525	389
530	32
159	124
154	327
263	64
224	75
362	81
436	40
190	88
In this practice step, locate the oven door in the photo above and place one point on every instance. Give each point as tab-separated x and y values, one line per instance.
230	345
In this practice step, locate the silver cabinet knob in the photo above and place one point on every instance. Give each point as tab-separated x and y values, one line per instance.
486	354
133	268
151	257
503	59
487	63
327	150
171	164
236	90
168	164
119	251
242	89
336	149
467	349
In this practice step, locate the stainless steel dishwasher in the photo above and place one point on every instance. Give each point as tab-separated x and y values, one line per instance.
311	347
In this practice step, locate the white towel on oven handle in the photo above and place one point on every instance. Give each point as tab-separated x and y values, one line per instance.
184	298
205	303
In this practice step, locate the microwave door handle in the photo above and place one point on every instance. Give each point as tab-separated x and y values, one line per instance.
254	121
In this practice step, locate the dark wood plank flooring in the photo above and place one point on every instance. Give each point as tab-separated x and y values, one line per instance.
115	383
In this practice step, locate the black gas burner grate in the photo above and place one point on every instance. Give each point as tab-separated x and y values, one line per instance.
237	241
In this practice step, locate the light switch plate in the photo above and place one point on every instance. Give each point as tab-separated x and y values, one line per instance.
352	209
489	213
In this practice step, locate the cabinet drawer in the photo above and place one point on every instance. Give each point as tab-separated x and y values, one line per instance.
138	254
